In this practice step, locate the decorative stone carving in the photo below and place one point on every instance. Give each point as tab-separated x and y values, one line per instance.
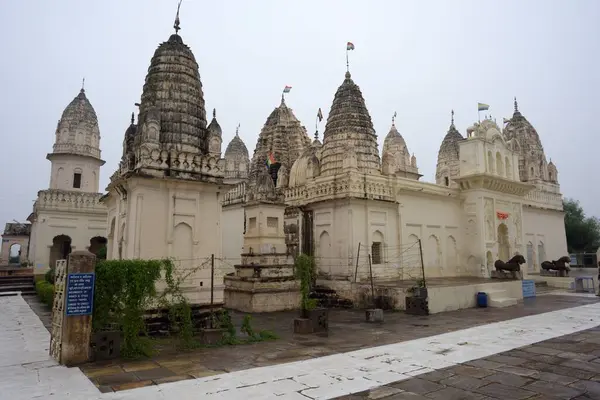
236	163
283	136
516	217
349	121
532	160
488	212
282	177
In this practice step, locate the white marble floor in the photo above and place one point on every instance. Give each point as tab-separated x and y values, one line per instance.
26	372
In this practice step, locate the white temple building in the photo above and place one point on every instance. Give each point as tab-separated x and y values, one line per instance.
495	196
68	216
173	195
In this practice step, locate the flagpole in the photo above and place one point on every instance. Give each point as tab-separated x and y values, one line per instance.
347	62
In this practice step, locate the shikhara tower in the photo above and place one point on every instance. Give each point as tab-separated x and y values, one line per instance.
164	200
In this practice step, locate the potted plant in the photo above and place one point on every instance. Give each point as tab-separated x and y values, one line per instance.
312	319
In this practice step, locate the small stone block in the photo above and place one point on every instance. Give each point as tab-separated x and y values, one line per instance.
374	315
545	272
303	325
211	336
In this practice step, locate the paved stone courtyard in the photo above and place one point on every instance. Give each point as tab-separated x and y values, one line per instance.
348	332
567	367
546	348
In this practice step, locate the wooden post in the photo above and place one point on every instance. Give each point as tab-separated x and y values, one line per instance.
212	289
372	286
422	264
357	256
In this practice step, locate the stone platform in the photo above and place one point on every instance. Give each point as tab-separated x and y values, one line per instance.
445	294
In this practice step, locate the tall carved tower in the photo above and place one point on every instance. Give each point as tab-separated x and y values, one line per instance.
164	199
68	215
75	156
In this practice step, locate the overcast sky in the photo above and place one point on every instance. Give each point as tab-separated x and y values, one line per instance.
417	58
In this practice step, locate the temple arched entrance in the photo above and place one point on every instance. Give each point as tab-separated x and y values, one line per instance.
98	246
60	250
14	254
503	243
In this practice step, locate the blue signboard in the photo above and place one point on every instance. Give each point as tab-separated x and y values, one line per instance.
528	288
80	294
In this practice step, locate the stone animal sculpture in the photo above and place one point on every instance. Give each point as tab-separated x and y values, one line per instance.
562	264
514	264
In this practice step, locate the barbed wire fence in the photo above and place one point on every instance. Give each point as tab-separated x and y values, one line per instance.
402	263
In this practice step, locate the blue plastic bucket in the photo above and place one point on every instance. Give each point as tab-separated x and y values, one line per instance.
482	299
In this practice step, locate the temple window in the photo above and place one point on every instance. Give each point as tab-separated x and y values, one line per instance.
376	253
77	179
446	181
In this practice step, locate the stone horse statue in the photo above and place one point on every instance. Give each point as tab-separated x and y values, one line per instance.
562	264
514	264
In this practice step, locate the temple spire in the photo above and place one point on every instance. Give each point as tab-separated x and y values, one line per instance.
176	25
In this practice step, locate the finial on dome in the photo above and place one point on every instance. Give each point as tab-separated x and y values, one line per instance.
83	84
176	25
348	75
214	113
452	118
132	118
516	105
316	134
394	118
237	130
282	100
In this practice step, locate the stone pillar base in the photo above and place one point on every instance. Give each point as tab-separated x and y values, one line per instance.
374	315
255	295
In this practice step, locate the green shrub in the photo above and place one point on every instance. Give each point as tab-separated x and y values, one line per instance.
49	276
305	271
45	291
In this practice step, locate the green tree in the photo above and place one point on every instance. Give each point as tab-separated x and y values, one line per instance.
583	233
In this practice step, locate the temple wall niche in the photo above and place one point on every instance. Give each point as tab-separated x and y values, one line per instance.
543	230
232	233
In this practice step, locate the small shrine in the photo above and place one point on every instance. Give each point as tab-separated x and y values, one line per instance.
265	280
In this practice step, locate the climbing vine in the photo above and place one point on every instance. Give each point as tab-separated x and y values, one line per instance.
305	271
125	289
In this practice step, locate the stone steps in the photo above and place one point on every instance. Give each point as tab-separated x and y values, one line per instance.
17	284
498	298
328	298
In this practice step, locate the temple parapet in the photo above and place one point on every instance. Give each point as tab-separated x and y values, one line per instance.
185	165
62	200
236	195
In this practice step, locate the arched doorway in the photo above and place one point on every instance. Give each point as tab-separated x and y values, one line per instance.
14	254
324	253
503	243
98	246
60	250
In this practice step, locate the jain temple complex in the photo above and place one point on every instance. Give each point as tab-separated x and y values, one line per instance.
342	200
